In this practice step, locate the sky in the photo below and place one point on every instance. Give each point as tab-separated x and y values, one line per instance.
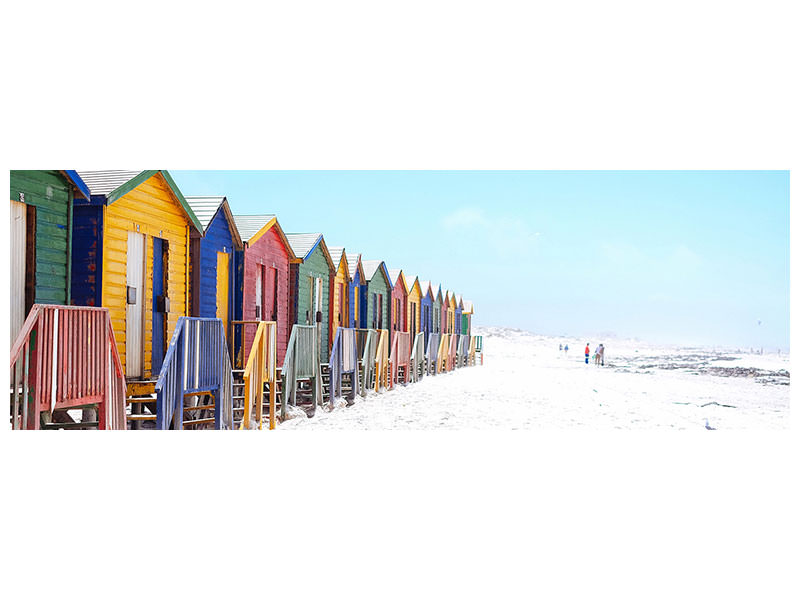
677	257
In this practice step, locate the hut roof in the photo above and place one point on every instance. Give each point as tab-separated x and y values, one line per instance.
394	275
206	208
468	307
353	263
303	244
252	227
425	286
337	253
115	184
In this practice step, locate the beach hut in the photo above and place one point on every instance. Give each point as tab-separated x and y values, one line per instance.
426	309
451	312
41	232
310	274
379	294
438	302
466	318
414	308
399	313
212	251
261	292
357	292
445	311
131	255
459	309
340	284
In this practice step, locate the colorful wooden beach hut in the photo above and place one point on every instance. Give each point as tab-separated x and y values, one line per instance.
262	277
438	302
357	292
414	307
212	272
445	311
41	232
379	294
131	255
426	309
340	287
466	318
310	277
459	309
399	313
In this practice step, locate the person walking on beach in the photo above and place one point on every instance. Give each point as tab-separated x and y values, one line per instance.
597	355
566	349
586	353
602	355
560	348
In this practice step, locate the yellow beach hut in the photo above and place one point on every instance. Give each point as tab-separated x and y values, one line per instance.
142	225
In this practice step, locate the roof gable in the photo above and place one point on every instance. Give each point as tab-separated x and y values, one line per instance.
354	266
396	276
339	256
304	244
371	267
253	227
207	208
113	185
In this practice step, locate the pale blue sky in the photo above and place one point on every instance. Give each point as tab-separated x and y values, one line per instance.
665	256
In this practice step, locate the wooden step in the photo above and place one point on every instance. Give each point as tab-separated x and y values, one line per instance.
93	424
141	417
208	407
140	400
209	421
199	393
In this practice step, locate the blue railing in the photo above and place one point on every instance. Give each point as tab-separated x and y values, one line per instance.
344	360
197	361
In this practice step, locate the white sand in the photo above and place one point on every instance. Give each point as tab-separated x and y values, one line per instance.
525	383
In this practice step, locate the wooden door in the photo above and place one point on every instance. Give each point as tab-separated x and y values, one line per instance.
223	280
134	313
259	293
18	254
159	309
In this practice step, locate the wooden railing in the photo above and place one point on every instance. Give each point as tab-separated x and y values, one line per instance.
417	365
301	362
441	355
463	351
344	360
197	361
451	352
65	357
366	346
382	361
434	339
400	357
479	347
471	355
260	369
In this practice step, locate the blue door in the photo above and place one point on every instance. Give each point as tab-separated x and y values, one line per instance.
159	307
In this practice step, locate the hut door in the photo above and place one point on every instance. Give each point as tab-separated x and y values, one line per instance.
223	275
271	294
259	295
160	304
134	312
18	255
413	319
340	315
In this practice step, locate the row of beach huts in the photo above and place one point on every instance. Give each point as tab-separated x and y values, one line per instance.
136	307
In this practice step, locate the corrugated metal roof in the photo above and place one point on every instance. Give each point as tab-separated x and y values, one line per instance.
394	274
303	243
336	254
370	268
352	263
424	285
102	183
204	207
249	225
468	308
410	282
459	299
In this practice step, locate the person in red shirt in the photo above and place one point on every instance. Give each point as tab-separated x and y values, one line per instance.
586	353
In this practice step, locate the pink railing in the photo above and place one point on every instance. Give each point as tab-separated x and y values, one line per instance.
65	357
400	356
